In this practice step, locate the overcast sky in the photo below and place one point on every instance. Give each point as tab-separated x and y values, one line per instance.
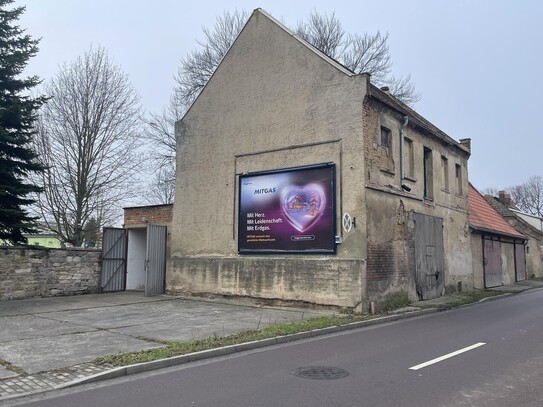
477	63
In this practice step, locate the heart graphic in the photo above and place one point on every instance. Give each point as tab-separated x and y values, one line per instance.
303	205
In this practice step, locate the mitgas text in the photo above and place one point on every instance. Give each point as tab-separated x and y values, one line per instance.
264	191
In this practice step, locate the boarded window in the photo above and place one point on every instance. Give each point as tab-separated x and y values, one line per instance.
409	158
444	173
458	176
386	137
428	174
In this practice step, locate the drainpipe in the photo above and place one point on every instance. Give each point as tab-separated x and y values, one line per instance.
405	121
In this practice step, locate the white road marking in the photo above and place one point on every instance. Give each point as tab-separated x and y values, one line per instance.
447	356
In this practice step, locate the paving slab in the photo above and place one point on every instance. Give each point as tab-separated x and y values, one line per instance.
35	326
5	373
49	353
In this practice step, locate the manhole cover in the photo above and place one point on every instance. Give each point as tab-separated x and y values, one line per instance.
320	372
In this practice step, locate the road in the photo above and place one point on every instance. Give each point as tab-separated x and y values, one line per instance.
488	354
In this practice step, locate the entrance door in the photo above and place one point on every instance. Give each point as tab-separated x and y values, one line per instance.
155	260
429	256
520	262
492	262
114	248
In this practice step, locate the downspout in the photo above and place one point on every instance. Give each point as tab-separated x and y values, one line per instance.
402	171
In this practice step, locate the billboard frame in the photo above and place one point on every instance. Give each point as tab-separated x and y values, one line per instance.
242	176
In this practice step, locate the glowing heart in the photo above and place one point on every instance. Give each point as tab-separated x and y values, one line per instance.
303	205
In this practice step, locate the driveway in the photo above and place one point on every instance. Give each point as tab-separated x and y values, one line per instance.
45	334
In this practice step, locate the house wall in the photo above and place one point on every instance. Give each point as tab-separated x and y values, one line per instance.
534	247
26	273
390	253
272	103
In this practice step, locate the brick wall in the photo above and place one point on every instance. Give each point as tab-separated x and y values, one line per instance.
155	214
26	273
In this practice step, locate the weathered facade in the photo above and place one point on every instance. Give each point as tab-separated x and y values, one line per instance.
276	102
498	249
534	235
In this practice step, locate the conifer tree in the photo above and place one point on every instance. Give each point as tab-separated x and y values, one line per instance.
18	111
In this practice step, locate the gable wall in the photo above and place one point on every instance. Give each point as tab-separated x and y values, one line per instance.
272	103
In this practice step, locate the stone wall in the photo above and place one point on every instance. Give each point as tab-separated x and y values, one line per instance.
31	272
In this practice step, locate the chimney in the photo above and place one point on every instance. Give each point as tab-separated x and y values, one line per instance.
504	198
386	89
466	142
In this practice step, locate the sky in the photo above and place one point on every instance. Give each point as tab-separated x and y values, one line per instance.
477	63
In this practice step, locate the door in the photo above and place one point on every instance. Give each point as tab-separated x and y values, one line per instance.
114	249
492	262
429	256
155	260
520	262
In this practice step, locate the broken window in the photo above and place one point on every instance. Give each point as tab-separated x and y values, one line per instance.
386	137
409	158
428	174
444	173
458	175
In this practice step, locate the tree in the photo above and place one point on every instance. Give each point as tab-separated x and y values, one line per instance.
18	112
91	232
360	53
162	189
89	135
528	196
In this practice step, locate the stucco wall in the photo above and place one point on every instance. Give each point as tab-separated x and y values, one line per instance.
28	273
386	201
272	103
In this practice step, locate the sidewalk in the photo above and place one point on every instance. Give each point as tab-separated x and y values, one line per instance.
50	343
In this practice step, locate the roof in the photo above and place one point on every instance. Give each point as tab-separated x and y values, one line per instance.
414	118
483	217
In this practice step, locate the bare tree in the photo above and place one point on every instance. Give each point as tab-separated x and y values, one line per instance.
89	135
162	189
528	197
359	53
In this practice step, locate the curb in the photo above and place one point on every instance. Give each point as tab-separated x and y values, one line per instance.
231	349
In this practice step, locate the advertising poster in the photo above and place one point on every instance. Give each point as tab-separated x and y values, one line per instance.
291	210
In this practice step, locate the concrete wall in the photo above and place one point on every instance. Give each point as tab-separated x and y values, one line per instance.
390	254
272	103
28	273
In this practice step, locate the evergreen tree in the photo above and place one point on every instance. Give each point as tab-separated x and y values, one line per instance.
18	111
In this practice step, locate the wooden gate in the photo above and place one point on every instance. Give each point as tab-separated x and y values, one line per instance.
492	262
520	262
429	256
114	250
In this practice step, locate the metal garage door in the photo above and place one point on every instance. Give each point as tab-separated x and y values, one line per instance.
155	260
114	250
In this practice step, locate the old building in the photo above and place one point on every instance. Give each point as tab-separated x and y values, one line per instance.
498	249
302	181
529	225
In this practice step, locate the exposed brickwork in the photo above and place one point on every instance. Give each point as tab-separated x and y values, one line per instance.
28	273
376	156
155	214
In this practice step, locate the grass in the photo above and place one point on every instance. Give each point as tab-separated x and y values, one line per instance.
178	348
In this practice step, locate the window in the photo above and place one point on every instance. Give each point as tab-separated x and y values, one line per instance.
445	173
409	158
428	174
386	137
458	175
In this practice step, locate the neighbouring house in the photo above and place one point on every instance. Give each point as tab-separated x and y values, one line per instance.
299	180
134	256
529	225
498	249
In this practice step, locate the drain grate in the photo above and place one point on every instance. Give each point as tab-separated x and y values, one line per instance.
320	372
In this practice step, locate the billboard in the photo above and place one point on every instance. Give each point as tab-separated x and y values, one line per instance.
288	211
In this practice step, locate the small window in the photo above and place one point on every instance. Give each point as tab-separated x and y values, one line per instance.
428	174
458	176
409	158
445	173
386	137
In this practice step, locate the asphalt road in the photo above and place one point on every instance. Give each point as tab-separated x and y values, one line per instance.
501	364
